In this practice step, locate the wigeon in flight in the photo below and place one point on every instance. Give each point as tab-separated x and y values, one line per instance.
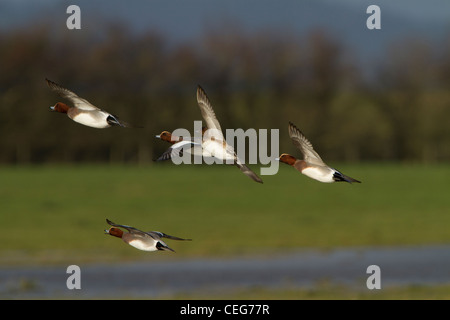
83	111
178	144
311	165
146	241
167	136
213	143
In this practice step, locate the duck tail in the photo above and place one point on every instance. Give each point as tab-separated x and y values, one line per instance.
339	177
248	172
114	121
163	246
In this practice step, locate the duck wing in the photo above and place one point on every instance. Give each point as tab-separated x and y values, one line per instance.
303	144
78	102
157	235
128	228
208	114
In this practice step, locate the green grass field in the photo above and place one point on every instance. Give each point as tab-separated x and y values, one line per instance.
57	214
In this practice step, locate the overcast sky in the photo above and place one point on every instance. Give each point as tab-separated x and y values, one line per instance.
186	20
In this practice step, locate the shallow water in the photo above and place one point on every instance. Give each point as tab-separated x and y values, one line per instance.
301	269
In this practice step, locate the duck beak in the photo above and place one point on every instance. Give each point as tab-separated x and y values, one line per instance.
277	159
106	231
158	136
52	108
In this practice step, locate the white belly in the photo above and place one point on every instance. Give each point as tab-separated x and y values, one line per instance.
95	120
216	149
319	174
141	245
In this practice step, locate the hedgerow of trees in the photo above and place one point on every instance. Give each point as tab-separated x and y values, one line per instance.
261	80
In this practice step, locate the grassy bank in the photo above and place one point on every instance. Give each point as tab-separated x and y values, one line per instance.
57	214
